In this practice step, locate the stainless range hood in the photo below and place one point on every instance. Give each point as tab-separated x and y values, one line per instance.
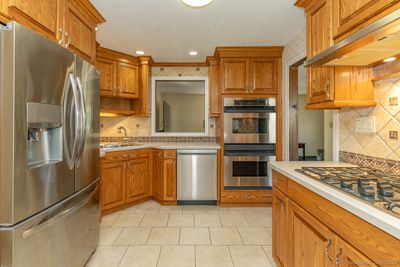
367	47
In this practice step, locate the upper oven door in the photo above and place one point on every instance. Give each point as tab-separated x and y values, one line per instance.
250	128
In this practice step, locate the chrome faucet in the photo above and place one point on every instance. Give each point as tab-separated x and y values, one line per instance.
125	133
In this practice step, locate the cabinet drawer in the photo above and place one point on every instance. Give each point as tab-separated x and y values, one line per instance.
169	154
280	182
125	155
248	196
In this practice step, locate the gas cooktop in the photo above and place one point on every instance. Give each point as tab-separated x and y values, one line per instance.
380	189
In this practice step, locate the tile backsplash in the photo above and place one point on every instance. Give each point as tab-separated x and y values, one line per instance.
141	126
384	144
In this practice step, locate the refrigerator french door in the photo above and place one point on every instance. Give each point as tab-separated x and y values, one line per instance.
49	149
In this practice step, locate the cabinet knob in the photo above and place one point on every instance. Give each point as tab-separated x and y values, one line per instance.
68	39
125	156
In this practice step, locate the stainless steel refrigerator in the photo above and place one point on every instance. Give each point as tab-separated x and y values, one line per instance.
49	152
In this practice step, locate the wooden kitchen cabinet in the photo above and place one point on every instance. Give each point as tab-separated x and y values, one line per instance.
80	31
137	179
280	234
249	76
215	104
113	185
332	87
108	76
352	15
234	76
311	241
347	256
43	16
164	176
128	80
70	23
309	230
125	178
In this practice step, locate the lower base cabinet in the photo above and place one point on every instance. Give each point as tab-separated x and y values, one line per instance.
302	240
137	175
125	178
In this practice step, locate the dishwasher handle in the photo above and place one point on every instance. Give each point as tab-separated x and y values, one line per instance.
197	152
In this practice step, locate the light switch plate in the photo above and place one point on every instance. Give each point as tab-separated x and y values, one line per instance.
365	124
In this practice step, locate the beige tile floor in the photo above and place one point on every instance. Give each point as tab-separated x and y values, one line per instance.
150	235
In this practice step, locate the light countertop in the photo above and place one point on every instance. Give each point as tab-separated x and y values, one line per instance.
385	221
160	145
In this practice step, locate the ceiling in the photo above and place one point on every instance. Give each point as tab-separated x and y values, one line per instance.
168	29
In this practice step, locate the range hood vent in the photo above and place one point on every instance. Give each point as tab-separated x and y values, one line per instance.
367	47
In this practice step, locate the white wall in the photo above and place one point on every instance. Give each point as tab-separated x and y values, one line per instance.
311	127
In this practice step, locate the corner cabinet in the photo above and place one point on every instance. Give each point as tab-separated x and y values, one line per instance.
309	230
70	23
125	178
332	87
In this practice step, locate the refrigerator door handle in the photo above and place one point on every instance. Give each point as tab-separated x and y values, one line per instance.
71	86
61	215
82	119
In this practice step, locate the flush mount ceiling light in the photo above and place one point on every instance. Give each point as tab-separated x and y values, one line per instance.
140	52
193	53
197	3
389	59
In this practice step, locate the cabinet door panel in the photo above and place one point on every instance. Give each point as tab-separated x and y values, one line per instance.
113	185
319	28
80	32
234	75
214	93
280	233
169	179
311	242
108	75
348	256
321	83
348	14
137	177
128	80
43	16
263	76
157	174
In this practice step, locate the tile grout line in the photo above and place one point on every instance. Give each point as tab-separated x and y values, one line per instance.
230	254
120	261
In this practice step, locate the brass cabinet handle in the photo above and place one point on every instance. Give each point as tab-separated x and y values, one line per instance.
326	87
62	36
68	39
338	255
125	156
327	250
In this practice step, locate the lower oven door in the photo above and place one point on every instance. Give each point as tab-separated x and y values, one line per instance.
64	235
247	172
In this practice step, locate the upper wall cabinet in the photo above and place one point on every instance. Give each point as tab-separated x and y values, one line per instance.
214	92
71	23
352	15
249	71
332	87
124	83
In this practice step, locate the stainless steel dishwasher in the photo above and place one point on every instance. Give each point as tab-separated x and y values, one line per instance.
197	177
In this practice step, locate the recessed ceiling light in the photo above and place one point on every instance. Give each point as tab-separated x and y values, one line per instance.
96	29
197	3
193	53
389	59
139	52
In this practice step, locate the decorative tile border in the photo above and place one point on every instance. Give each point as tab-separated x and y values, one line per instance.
375	163
154	139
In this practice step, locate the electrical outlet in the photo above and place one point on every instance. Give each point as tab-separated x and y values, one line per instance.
393	101
365	124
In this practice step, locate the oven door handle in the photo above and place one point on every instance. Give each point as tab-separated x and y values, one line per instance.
265	153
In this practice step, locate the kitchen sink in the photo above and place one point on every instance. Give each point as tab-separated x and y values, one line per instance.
116	145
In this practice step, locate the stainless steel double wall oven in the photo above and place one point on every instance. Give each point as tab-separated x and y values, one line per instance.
249	142
49	152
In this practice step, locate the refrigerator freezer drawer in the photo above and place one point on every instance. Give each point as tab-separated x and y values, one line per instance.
64	235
